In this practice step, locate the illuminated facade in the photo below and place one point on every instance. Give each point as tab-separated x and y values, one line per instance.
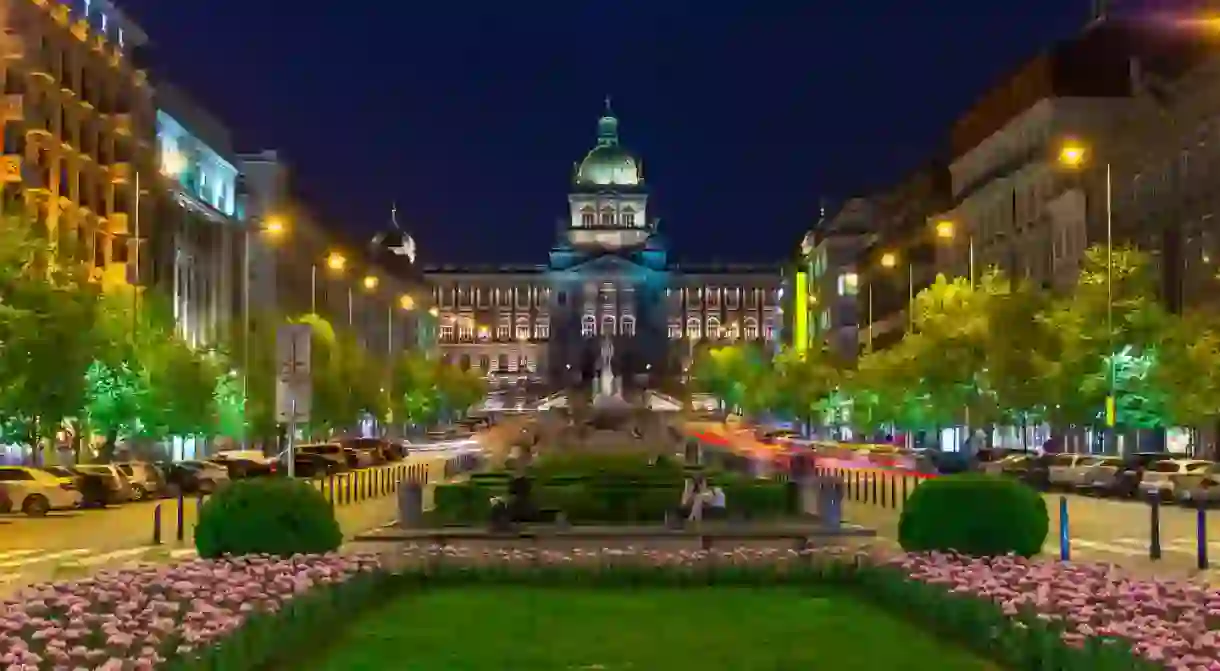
608	276
199	245
78	132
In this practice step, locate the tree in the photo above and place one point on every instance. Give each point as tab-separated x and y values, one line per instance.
414	398
47	313
1019	355
1187	370
735	374
332	403
459	389
804	381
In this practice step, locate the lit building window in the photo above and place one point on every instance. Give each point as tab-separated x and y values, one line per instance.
627	326
608	325
713	327
751	329
849	284
586	219
607	219
465	330
542	331
629	219
692	328
588	326
675	331
446	332
523	329
502	331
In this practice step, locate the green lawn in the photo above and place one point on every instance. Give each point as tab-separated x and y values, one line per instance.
487	628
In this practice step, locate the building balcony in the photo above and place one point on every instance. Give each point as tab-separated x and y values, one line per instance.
120	173
61	14
121	124
12	107
10	169
116	224
12	47
80	30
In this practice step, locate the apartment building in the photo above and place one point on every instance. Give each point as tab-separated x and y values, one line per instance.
79	156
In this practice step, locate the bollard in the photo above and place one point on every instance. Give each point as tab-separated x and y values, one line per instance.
330	490
1201	535
156	539
874	477
884	500
1065	538
894	492
905	493
181	518
1154	533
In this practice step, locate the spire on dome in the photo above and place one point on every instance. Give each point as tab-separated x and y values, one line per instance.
607	127
394	215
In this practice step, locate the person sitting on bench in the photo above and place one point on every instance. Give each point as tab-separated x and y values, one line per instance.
694	496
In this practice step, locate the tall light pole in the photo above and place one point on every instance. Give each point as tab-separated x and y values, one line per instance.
273	226
947	230
1075	156
336	263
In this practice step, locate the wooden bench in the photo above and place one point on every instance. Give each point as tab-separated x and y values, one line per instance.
801	536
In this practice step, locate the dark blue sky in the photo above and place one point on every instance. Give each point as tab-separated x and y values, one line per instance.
470	114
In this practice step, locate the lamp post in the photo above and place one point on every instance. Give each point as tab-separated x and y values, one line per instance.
1074	155
335	263
273	226
947	230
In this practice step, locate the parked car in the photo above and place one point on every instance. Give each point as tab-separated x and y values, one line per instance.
35	491
1161	478
6	501
195	477
146	480
93	489
331	451
118	487
311	465
1102	476
1005	464
1127	482
1200	487
1067	471
376	449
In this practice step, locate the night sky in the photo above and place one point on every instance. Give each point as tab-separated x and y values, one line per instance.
471	114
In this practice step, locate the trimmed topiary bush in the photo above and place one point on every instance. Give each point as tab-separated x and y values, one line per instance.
975	514
276	516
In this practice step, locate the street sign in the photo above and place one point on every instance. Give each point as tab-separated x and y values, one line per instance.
293	389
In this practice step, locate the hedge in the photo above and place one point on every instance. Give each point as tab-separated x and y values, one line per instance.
975	514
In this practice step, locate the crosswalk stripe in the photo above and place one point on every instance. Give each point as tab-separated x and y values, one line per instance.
106	557
183	553
13	554
39	558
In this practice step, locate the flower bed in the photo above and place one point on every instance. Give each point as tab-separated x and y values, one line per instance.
158	617
1173	623
259	612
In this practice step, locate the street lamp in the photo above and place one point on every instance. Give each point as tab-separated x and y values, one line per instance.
1074	155
889	260
336	263
946	229
274	226
371	282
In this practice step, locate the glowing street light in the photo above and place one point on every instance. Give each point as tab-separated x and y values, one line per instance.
406	302
434	312
371	282
1072	154
945	230
889	260
275	225
336	261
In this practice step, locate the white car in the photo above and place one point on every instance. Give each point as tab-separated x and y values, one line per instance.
35	492
1070	470
1161	478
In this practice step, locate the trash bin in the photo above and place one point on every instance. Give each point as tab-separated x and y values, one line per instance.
830	502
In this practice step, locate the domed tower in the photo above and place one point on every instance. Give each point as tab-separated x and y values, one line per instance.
608	202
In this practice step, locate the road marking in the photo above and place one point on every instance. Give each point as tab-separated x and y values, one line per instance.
13	554
45	557
183	553
106	557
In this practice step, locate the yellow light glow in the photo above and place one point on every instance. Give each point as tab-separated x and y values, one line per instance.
889	260
172	163
406	302
434	312
370	282
945	229
274	225
336	261
1072	154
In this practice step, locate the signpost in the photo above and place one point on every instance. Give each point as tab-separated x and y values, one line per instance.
293	391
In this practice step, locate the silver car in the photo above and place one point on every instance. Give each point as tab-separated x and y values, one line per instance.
1161	478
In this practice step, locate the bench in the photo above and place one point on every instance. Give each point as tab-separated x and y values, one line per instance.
801	536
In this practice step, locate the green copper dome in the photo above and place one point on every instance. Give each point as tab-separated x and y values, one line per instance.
608	164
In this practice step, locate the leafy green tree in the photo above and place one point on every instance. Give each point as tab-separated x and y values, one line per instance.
1187	370
735	374
414	398
332	404
459	389
804	381
1018	354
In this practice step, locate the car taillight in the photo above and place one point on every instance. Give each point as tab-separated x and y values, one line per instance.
274	467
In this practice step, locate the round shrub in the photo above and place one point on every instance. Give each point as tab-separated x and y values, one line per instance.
975	514
276	516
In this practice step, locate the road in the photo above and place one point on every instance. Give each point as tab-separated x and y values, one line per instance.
1099	529
78	540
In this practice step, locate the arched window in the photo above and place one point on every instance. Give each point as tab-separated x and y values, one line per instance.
608	325
627	325
628	217
587	218
675	330
769	330
751	325
588	326
484	363
692	328
523	328
713	327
